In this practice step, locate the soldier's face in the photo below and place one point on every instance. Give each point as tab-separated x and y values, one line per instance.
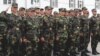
37	11
49	11
94	12
72	13
55	14
14	9
84	11
22	13
41	12
62	13
30	13
80	13
67	13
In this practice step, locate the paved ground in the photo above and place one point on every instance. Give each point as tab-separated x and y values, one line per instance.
98	49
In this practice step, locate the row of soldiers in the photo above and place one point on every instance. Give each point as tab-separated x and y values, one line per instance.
35	32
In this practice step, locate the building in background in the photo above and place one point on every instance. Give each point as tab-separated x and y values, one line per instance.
68	4
80	3
54	3
97	4
72	4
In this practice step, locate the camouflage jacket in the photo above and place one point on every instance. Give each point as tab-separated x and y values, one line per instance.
47	26
84	24
62	28
93	23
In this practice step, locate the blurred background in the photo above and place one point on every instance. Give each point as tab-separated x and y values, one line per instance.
68	4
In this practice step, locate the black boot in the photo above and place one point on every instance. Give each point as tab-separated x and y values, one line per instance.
87	51
95	53
84	54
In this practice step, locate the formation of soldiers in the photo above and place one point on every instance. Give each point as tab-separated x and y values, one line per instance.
38	32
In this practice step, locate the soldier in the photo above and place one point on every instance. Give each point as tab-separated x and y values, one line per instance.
84	32
21	14
37	11
67	13
73	32
3	35
61	33
93	31
41	11
14	32
31	33
55	13
47	33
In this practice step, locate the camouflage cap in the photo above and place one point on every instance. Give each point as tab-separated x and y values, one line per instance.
62	9
31	9
48	8
55	12
14	5
76	10
71	11
80	10
41	9
84	8
36	8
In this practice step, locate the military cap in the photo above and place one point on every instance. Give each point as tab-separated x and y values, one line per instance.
71	11
14	5
76	10
80	10
48	8
36	8
62	9
55	12
41	9
31	9
84	8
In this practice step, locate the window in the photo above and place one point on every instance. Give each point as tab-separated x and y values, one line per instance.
4	1
31	1
14	1
97	4
80	4
9	1
35	1
71	3
54	3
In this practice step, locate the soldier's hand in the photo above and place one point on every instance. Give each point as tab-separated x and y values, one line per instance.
81	34
50	29
25	40
42	39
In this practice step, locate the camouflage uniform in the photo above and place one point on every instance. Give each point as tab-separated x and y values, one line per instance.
14	33
47	33
84	33
32	25
94	31
73	33
61	35
3	35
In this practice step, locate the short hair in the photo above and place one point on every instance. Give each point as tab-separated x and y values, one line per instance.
21	9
